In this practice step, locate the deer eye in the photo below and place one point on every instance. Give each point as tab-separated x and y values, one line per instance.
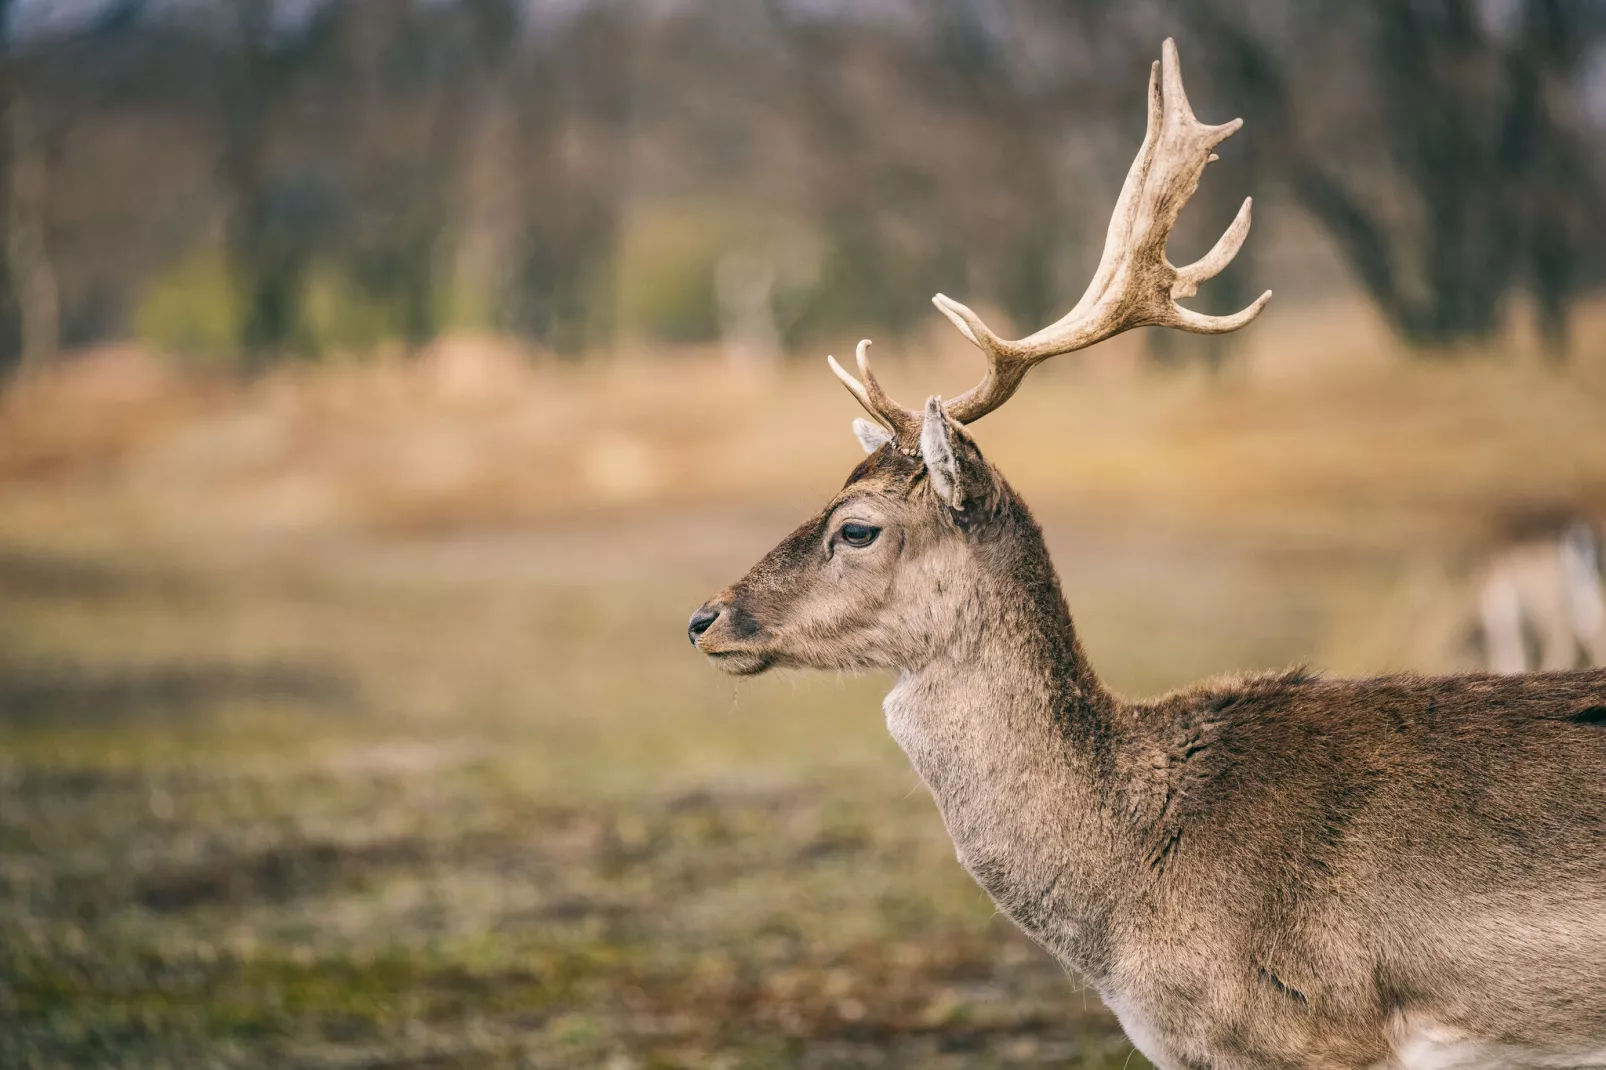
856	534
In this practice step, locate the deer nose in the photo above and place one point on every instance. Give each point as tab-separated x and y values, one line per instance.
700	622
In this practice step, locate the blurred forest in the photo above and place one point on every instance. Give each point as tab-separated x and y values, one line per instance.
242	181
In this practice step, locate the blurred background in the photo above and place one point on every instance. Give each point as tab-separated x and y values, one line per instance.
385	381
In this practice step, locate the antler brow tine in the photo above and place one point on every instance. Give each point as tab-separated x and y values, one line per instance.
903	423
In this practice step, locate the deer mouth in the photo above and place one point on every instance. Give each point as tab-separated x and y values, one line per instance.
740	662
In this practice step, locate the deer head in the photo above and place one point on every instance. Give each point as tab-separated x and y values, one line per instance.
893	568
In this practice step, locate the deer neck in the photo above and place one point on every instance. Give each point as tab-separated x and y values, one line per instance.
1011	730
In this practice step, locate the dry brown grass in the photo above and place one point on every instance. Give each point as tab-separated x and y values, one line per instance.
1322	420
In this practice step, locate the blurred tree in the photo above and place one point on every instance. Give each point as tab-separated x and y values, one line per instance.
10	341
485	200
577	105
1475	178
271	219
27	255
375	171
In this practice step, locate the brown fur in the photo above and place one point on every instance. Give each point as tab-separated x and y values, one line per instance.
1257	872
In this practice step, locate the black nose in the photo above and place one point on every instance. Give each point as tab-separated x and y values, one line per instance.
701	621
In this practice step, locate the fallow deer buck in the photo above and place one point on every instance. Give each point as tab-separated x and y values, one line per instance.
1260	872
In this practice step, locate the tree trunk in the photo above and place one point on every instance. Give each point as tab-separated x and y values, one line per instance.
10	350
29	261
267	276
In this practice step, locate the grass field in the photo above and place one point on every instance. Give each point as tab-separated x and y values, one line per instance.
348	720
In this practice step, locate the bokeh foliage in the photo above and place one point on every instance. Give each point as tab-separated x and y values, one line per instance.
382	171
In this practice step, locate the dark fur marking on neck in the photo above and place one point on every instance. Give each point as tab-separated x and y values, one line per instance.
1161	856
1267	977
1589	715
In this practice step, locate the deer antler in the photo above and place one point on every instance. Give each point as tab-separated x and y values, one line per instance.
903	423
1134	286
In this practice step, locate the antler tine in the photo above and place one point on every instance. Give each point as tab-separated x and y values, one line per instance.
1135	285
1220	255
903	423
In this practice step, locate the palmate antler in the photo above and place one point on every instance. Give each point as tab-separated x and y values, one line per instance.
1135	285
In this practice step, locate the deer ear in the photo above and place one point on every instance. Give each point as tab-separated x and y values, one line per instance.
872	436
959	474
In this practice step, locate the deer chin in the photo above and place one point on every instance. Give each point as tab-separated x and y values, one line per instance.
740	662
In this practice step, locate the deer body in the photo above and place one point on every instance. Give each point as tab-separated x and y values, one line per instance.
1276	871
1258	873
